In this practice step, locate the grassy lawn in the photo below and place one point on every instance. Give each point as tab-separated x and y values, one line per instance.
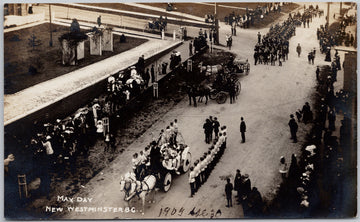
19	55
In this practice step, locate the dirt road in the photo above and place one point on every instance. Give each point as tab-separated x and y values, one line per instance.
269	95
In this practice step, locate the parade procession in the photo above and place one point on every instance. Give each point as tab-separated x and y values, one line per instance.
180	110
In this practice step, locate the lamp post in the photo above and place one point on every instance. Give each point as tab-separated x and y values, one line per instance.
340	8
328	13
50	42
216	39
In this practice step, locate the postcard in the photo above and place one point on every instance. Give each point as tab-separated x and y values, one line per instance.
180	110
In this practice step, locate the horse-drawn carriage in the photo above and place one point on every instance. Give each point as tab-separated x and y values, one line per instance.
239	66
222	87
155	25
224	78
165	160
233	66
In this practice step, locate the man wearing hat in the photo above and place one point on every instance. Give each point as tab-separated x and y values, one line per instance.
141	65
228	191
237	184
192	181
318	74
293	128
245	187
306	111
298	49
242	130
197	175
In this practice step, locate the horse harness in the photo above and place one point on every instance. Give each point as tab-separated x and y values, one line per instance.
137	192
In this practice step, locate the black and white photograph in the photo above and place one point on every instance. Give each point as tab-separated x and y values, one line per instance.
179	110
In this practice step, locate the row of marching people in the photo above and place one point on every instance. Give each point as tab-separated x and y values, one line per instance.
203	167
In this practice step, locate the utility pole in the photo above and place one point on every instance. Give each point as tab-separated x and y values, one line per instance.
328	13
50	42
216	26
340	8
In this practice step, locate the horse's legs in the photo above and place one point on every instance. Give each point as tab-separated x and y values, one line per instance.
206	97
143	197
153	195
128	204
194	99
189	99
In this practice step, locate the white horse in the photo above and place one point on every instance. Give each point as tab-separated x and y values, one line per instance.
142	189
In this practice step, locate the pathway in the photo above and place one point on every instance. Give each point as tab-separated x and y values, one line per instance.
32	99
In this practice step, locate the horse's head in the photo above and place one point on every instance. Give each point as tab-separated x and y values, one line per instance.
122	184
125	185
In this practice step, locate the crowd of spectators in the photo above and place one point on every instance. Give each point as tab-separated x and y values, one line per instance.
322	157
328	39
306	17
252	15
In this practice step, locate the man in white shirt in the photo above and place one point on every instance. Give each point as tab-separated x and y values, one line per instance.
192	181
197	173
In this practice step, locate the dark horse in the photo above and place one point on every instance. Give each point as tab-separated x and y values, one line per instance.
200	91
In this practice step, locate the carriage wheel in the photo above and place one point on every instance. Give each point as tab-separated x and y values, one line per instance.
221	98
213	94
167	182
237	88
186	164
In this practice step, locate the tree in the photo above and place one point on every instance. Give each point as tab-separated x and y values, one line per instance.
34	41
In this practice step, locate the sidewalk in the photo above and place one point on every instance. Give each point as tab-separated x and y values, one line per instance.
172	12
225	6
30	100
198	20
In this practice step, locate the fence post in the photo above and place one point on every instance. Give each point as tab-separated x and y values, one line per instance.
156	90
189	65
106	125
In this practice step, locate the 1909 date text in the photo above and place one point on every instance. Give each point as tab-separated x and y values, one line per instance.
194	212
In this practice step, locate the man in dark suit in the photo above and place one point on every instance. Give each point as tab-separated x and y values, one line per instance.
228	191
141	65
293	128
242	130
245	188
237	184
190	48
